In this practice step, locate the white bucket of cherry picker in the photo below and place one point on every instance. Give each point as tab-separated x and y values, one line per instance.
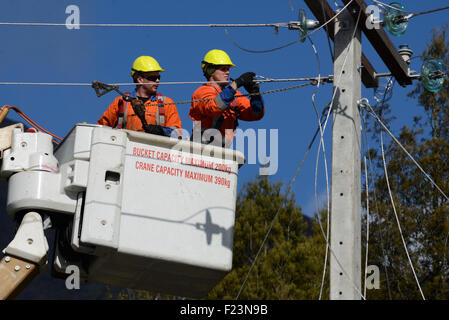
149	212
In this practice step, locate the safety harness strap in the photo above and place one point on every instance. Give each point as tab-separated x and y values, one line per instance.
160	117
122	112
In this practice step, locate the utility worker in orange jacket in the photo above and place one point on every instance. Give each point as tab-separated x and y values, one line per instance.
162	119
224	105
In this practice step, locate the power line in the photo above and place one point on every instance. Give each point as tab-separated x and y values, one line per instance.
198	100
388	89
325	162
293	179
325	166
236	96
260	51
155	25
367	224
262	80
429	11
278	211
397	218
364	103
290	43
145	25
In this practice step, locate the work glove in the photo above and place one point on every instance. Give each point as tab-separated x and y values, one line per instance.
245	79
154	129
227	95
252	88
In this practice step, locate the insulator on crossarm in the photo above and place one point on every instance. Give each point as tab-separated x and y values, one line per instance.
395	21
432	75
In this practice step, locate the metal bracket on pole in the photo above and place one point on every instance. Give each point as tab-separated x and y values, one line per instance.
345	260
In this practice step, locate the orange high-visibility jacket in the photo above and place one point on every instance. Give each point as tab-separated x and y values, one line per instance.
208	112
111	115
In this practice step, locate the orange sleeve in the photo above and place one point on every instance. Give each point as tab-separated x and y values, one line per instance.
172	116
246	112
207	108
110	116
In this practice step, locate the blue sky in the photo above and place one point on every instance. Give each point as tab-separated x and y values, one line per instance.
56	54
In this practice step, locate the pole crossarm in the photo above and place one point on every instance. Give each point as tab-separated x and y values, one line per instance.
381	43
369	78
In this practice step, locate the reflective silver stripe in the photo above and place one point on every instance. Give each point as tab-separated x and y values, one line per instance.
125	114
223	106
160	120
157	113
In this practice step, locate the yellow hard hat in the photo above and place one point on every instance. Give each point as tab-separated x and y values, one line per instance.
217	57
145	64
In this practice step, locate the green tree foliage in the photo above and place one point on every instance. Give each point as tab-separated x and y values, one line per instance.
423	212
290	263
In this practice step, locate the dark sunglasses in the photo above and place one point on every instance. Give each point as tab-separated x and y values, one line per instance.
152	78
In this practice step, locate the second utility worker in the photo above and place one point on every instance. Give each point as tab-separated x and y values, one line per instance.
162	118
222	104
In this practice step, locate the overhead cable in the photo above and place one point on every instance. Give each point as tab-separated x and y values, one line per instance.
145	25
262	80
278	211
290	43
322	144
367	224
364	103
160	25
115	88
397	218
388	89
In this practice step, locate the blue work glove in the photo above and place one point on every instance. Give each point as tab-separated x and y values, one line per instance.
167	131
227	95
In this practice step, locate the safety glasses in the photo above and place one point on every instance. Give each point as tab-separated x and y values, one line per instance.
152	78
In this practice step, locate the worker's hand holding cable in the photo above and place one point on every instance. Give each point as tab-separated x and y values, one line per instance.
245	79
252	87
227	95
